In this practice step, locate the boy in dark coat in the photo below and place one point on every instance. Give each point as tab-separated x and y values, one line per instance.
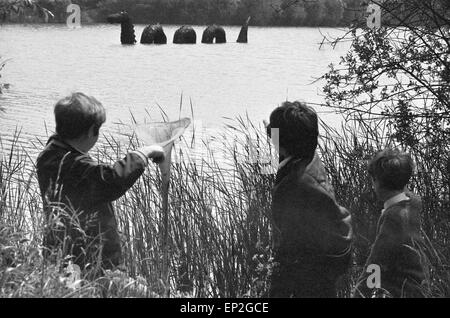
312	233
397	247
77	191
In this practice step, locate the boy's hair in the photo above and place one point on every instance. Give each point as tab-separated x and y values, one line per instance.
391	168
298	128
76	113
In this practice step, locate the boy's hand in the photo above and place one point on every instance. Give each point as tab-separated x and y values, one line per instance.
154	152
157	154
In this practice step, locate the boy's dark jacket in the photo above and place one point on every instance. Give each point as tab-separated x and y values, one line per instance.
398	251
312	233
73	181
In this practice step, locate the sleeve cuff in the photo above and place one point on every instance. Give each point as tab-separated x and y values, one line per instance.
141	155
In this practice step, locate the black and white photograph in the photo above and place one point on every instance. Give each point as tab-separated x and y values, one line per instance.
225	154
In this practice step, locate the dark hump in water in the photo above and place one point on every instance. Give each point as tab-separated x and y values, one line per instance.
153	34
185	35
214	32
242	38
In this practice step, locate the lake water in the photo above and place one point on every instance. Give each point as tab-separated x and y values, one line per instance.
224	80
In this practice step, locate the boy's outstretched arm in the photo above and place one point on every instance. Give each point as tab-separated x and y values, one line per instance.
105	183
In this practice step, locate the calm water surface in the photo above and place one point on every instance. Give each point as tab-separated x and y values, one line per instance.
225	80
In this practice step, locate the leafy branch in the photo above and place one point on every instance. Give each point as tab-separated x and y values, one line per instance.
399	73
18	7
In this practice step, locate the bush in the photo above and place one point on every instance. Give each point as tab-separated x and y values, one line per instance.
392	88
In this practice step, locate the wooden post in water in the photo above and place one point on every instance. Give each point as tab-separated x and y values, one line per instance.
242	38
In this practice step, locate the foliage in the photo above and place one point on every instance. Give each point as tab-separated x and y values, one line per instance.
20	9
234	12
394	86
399	74
263	12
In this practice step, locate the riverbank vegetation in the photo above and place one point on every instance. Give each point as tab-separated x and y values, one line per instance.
394	86
219	222
201	12
312	13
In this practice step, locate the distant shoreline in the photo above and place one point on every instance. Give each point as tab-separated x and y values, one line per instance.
179	24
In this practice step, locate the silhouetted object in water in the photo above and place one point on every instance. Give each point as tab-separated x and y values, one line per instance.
214	32
242	38
127	28
153	34
185	35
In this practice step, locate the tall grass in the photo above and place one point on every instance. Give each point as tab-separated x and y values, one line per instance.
220	229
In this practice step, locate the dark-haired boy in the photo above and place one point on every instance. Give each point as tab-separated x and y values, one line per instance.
312	233
396	250
77	191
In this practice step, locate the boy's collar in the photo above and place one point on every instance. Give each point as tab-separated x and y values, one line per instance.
58	141
290	164
84	153
284	162
394	200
